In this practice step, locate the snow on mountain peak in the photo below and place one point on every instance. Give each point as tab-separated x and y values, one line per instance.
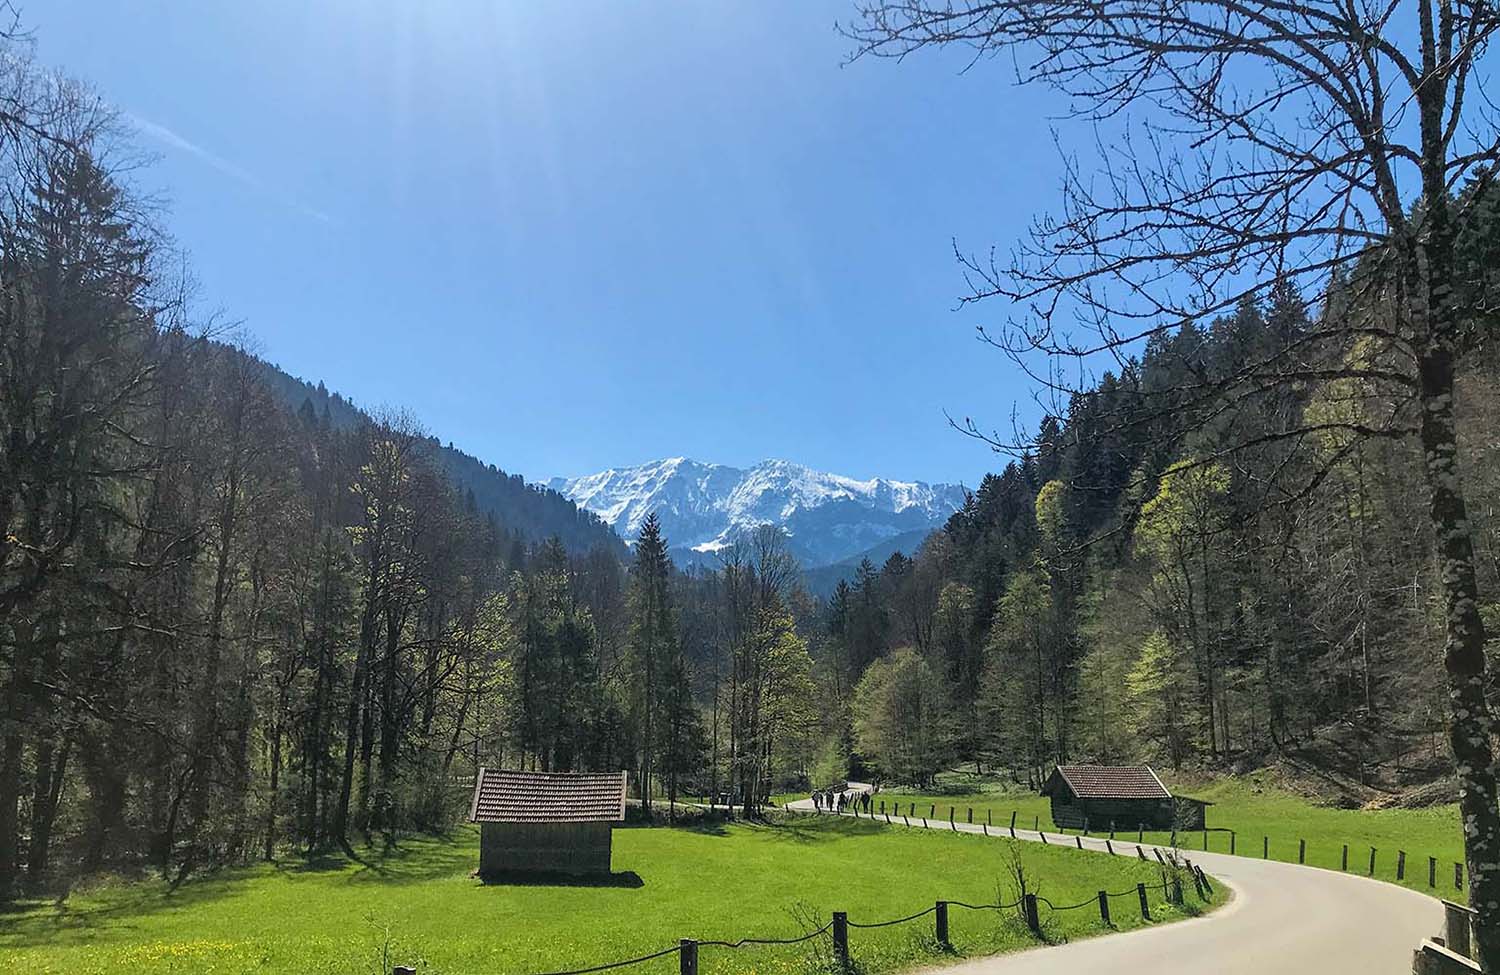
705	507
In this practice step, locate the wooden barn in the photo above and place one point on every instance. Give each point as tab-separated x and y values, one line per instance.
546	822
1127	796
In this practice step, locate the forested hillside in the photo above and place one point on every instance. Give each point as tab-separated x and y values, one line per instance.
232	617
1126	593
532	511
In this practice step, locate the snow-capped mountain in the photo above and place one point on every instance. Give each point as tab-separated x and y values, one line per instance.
704	507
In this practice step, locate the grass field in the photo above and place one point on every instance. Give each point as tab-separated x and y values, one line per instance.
716	882
1256	814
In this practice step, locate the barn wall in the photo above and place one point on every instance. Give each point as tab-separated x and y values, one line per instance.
1190	814
1066	813
573	848
1071	812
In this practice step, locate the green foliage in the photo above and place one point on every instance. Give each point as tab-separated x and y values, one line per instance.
903	726
1153	695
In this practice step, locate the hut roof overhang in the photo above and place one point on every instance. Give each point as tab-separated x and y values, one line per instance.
507	796
1107	782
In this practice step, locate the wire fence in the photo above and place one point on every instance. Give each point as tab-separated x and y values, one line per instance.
837	929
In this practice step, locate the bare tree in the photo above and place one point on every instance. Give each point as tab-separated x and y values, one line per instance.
1281	143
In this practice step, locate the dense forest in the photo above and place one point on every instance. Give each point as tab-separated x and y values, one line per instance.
1126	593
240	618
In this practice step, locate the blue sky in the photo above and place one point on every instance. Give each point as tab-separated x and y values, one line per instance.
573	236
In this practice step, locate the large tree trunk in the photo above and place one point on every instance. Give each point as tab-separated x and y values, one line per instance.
1470	724
49	785
15	698
340	825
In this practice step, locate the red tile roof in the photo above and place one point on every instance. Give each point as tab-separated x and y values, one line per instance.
1112	782
504	796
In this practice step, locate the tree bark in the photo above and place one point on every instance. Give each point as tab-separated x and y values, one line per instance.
1471	723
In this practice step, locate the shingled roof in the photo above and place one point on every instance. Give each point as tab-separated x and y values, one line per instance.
1112	782
505	796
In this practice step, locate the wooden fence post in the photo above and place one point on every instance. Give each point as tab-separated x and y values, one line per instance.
950	820
1176	888
1111	829
1012	824
1140	892
1205	838
1458	876
1033	920
1140	832
687	957
1400	864
989	817
1232	836
1265	848
932	811
1110	846
1372	861
841	940
1302	851
1042	835
1432	871
1203	878
1141	851
882	807
942	924
1344	860
1456	927
1036	823
971	815
1104	908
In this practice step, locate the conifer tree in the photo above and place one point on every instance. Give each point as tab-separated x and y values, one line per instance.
652	648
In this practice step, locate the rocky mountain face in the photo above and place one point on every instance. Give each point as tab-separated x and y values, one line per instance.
705	507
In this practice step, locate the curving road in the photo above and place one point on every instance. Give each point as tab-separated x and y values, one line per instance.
1283	920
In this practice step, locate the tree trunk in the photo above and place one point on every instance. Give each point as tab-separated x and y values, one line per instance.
1470	725
15	699
340	826
275	784
44	809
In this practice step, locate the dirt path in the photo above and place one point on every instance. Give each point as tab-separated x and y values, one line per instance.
1283	920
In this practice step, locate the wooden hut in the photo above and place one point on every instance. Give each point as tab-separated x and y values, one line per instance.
546	822
1127	796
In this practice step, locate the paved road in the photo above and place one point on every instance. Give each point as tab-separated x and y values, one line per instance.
1283	920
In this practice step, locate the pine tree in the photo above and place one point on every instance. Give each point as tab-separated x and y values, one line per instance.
652	648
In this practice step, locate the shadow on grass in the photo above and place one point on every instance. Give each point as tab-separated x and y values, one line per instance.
821	829
106	913
628	879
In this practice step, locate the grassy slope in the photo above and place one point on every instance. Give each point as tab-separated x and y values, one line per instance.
1253	812
728	882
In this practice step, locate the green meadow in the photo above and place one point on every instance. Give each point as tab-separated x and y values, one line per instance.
417	904
1262	818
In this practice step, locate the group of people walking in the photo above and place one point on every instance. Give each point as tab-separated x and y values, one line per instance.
839	801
